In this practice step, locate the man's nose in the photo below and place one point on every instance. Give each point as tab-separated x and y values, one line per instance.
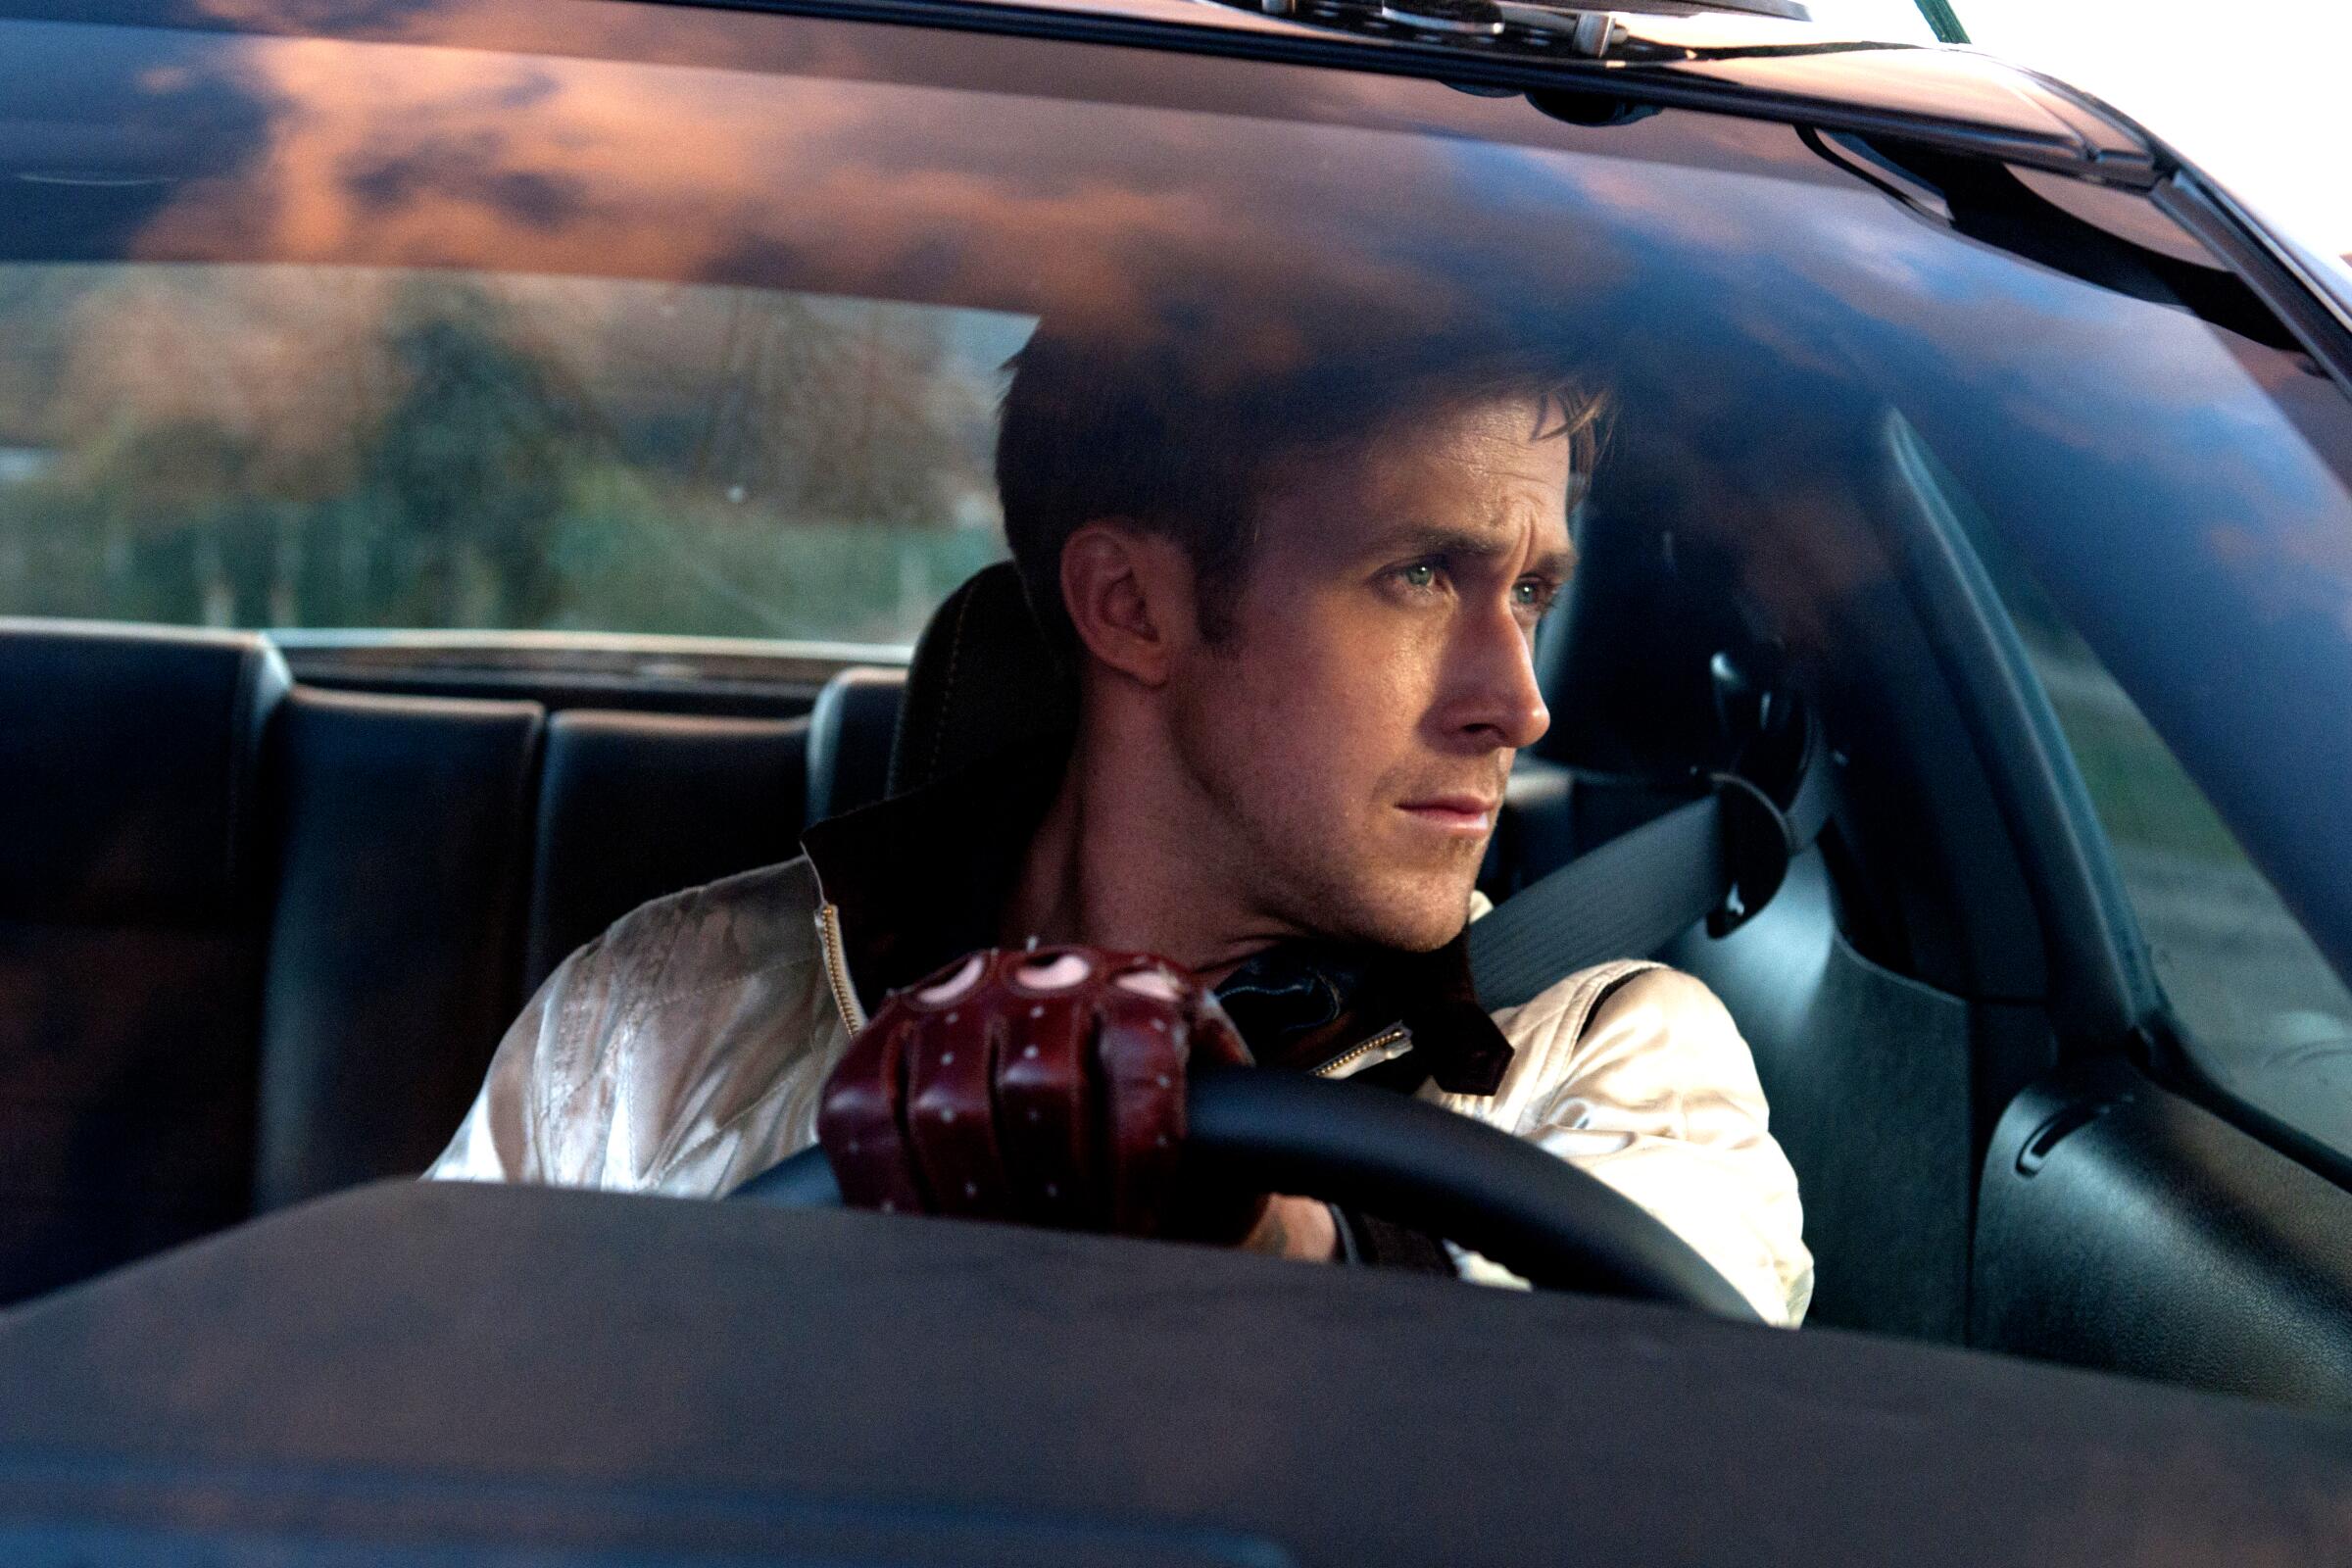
1498	702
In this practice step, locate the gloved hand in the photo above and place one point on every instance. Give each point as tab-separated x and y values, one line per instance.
1042	1086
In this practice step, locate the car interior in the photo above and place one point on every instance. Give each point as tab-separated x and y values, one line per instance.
269	901
272	910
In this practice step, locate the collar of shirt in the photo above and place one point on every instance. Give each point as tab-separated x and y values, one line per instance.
921	879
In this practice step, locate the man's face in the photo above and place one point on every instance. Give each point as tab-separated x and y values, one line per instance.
1354	733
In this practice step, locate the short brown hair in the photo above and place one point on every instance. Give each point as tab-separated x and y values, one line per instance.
1179	440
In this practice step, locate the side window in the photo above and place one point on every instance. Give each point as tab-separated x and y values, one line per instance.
292	446
2255	1003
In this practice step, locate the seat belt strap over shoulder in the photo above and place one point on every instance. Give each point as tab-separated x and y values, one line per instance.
1718	858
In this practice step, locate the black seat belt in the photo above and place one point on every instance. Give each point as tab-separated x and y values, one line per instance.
1718	858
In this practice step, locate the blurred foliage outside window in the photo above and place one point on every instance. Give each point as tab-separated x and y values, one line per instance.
287	446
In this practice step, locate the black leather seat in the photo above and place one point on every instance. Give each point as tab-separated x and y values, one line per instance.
132	914
405	839
635	806
850	731
442	857
258	941
983	679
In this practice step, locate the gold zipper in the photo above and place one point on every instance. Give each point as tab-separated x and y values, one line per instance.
837	967
1388	1036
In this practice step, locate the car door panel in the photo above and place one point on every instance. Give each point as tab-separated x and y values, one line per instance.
2122	1226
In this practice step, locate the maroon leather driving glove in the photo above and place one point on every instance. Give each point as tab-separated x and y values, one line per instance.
1042	1086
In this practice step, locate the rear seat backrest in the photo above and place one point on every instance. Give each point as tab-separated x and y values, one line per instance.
634	806
405	834
439	860
130	940
258	941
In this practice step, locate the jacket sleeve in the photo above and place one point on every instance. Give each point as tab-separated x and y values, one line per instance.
501	1139
1639	1075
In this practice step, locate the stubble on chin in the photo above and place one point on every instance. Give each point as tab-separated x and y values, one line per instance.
1412	909
1438	921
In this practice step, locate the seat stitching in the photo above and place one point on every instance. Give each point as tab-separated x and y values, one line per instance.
242	705
947	695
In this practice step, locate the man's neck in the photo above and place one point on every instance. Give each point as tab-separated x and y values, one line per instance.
1124	861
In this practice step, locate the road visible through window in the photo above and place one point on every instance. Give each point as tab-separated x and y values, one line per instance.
310	446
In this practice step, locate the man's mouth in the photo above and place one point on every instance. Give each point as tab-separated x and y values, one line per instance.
1463	813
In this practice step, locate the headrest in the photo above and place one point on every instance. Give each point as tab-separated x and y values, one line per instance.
128	760
850	732
983	679
1625	664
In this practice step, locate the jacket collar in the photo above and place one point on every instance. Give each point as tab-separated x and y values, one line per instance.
919	880
1309	1005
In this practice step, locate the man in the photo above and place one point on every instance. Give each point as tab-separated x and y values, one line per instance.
1295	612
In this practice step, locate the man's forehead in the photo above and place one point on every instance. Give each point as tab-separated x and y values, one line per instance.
1483	475
1513	436
1516	432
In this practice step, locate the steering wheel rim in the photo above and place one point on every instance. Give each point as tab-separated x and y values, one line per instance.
1548	1222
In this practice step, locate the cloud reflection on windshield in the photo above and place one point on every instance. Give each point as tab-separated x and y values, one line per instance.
1264	237
1758	316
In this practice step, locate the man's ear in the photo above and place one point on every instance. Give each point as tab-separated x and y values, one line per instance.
1129	591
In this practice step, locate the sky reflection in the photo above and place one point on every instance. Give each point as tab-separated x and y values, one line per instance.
1758	309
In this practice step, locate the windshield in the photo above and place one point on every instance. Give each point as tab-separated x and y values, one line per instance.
646	320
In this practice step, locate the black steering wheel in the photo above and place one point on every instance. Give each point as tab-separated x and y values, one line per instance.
1412	1163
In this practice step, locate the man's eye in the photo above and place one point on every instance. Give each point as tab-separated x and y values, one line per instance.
1420	574
1530	594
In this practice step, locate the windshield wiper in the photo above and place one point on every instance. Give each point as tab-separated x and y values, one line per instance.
1558	29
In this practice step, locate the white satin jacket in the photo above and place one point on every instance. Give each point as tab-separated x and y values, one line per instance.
683	1052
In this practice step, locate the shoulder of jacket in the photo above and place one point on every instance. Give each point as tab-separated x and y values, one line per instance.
1554	1034
1681	996
709	935
1567	1004
615	1037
